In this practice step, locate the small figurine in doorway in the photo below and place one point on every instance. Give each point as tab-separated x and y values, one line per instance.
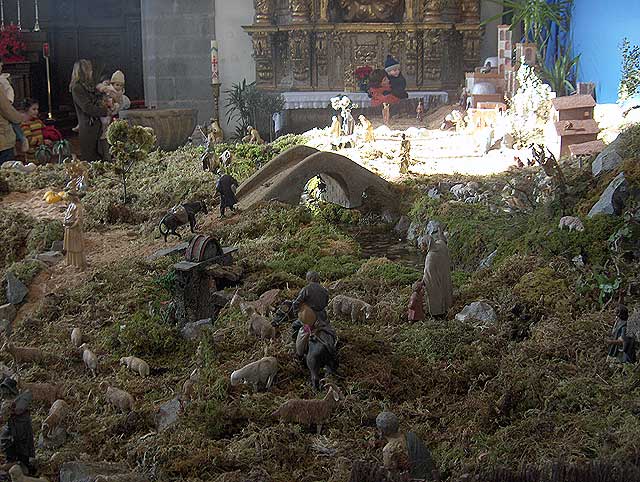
336	129
386	114
405	154
420	111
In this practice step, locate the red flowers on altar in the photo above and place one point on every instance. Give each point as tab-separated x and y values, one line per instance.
12	45
362	75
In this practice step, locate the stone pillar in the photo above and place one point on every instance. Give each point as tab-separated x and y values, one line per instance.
176	37
504	47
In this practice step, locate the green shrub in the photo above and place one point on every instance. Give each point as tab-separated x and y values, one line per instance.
43	234
382	269
26	270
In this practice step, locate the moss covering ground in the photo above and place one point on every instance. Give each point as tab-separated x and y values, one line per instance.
532	387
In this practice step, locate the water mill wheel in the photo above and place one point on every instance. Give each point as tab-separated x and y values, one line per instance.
202	248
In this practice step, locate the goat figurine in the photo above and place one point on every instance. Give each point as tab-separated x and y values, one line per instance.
179	216
572	222
310	412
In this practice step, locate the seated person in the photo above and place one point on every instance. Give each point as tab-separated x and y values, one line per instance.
380	89
34	129
396	79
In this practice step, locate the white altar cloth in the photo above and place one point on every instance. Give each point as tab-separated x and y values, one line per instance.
322	100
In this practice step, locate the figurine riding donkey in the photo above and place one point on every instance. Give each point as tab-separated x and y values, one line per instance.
314	337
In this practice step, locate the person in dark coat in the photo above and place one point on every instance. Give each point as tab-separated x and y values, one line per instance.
227	186
396	79
622	347
89	108
16	437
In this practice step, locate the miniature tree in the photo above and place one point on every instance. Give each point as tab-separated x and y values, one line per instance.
530	107
630	81
129	145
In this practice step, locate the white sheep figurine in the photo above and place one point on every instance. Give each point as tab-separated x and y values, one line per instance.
309	412
24	354
119	398
572	222
17	475
58	413
261	372
76	337
90	359
358	310
138	365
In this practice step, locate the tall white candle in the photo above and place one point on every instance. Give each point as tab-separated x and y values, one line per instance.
2	14
36	27
19	17
215	74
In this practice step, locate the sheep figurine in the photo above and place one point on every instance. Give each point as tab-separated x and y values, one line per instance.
17	475
572	222
189	388
24	354
309	412
46	392
90	359
347	306
119	398
76	337
261	372
262	305
259	325
58	412
138	365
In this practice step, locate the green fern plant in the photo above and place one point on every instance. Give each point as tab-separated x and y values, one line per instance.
562	74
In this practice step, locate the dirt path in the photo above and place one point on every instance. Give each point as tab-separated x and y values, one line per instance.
102	249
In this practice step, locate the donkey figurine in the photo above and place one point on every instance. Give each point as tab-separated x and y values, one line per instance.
179	216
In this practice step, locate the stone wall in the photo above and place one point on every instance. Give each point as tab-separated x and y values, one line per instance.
176	40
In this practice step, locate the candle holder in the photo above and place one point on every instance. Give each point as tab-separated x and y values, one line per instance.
19	17
36	26
216	101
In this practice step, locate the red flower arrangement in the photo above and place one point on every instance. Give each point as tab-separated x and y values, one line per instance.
362	73
12	45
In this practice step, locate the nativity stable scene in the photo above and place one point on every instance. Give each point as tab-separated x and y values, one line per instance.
319	240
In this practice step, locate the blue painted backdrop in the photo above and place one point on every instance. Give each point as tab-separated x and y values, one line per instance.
598	27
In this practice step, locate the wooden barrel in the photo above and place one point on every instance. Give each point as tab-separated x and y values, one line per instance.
202	248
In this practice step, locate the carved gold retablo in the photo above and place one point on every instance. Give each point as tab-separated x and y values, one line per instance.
371	10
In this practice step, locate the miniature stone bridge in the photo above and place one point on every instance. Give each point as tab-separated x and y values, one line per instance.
285	177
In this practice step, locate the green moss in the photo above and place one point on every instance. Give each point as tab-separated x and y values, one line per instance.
26	270
545	287
144	335
391	273
14	232
43	234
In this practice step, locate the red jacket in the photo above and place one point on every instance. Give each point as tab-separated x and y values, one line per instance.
379	95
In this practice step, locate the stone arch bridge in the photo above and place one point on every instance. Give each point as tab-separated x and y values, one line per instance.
285	177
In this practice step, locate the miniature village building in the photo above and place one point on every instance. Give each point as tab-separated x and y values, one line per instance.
573	107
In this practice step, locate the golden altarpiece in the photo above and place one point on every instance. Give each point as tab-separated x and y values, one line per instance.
316	45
